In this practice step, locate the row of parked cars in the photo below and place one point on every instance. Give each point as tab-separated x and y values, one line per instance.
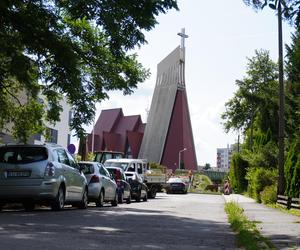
48	175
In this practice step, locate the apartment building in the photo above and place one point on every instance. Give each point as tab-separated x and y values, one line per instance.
224	156
59	132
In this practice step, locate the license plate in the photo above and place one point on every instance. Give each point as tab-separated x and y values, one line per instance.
18	173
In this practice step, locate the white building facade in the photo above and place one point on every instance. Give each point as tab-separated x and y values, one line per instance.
224	157
59	132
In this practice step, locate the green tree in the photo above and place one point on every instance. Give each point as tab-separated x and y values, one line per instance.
76	49
290	8
254	104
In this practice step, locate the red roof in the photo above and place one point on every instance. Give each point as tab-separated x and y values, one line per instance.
116	132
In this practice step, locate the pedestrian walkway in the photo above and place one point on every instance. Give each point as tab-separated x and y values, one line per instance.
282	229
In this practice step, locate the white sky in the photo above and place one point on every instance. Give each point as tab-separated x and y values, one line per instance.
222	34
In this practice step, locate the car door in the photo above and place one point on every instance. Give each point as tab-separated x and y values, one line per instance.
126	185
112	183
63	160
109	191
105	182
78	183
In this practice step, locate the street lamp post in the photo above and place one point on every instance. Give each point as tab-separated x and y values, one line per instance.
179	165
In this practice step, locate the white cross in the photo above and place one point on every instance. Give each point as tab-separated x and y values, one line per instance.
183	36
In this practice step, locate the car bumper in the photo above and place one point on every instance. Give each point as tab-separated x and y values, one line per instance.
93	191
40	190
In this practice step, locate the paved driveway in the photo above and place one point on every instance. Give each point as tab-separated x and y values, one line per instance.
168	222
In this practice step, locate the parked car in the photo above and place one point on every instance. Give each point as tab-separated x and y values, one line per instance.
45	174
124	189
139	189
101	185
176	185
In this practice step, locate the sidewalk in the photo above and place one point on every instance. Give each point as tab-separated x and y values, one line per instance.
282	229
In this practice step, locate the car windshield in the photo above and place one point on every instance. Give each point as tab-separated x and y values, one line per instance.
22	155
86	168
121	165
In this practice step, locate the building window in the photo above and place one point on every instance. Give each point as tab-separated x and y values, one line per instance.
69	139
70	117
51	135
37	137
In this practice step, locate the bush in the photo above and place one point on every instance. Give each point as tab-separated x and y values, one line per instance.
258	179
269	194
292	170
237	173
200	182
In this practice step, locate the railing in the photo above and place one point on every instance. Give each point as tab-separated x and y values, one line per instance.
288	202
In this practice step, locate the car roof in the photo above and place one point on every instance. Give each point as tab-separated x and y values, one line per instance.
125	160
113	167
89	162
175	179
31	145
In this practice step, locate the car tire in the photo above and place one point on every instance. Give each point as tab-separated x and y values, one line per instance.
120	198
84	200
145	197
59	202
100	200
128	200
1	206
29	205
153	193
138	198
114	203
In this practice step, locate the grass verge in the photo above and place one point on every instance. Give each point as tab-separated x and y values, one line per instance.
248	236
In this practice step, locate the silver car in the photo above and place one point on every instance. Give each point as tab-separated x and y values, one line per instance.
45	174
101	185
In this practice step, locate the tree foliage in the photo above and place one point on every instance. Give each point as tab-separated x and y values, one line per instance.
255	101
73	49
290	8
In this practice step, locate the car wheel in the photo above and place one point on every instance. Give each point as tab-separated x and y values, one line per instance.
59	202
100	201
28	205
145	197
114	203
120	197
153	193
1	206
138	198
128	201
84	200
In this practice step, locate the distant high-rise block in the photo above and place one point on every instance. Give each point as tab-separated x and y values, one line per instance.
168	137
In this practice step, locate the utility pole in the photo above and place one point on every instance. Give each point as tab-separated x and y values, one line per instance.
280	189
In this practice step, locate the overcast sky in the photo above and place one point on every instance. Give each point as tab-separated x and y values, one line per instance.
222	34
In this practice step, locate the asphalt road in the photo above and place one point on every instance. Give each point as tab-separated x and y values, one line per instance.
189	221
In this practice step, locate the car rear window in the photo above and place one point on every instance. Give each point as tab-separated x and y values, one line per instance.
22	155
87	168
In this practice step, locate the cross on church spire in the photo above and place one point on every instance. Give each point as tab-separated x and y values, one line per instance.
183	36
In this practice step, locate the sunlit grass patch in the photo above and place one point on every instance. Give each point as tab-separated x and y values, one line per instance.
248	236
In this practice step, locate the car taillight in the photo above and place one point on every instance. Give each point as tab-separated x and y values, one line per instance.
95	179
50	169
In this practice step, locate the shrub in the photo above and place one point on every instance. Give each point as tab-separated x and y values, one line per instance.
269	194
258	179
292	170
237	173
